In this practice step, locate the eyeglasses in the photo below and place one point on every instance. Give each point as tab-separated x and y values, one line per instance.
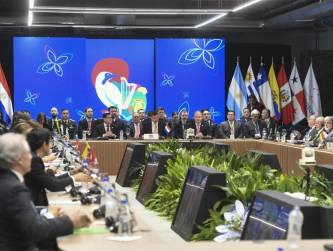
206	113
135	116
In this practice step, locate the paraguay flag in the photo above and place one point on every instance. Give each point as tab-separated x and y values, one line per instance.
6	106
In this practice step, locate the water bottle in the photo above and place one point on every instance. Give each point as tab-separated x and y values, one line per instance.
124	227
84	135
277	138
111	210
264	133
106	186
295	222
121	135
292	138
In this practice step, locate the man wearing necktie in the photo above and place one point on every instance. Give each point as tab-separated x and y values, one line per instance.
230	128
154	125
105	129
87	124
255	126
200	129
135	126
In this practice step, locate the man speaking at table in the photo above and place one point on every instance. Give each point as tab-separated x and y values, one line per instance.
21	227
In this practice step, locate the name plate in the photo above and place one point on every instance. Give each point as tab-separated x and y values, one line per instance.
151	136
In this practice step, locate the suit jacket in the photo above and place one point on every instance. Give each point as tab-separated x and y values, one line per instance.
99	130
52	125
69	127
271	125
225	130
178	131
203	128
83	126
37	181
120	124
21	227
251	131
147	127
312	132
132	129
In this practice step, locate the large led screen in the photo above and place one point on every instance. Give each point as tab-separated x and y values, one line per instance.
190	75
75	73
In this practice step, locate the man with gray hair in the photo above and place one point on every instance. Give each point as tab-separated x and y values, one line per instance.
255	126
21	227
328	129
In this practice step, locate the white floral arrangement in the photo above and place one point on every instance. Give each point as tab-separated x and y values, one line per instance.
234	223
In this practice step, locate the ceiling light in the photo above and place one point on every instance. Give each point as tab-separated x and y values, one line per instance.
30	17
31	4
127	11
245	5
213	19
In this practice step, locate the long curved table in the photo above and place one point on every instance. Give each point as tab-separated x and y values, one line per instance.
110	153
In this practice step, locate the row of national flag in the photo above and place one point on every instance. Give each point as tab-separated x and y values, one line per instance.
283	96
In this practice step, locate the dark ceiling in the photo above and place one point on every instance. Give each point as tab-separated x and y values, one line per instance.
264	15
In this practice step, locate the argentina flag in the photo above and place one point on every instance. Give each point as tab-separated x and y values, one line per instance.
237	95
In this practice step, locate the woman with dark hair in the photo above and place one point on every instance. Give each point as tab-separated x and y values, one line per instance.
42	120
38	180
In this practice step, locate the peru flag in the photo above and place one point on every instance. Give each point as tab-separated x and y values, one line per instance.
287	110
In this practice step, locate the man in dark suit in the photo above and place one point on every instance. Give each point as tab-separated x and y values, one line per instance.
107	129
21	227
210	124
54	122
37	180
67	125
181	125
253	104
135	126
118	123
231	128
154	125
87	124
246	116
200	128
255	126
270	123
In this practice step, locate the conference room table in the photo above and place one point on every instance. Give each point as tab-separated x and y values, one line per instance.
155	233
109	153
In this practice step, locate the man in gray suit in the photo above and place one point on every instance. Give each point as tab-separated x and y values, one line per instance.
231	128
311	133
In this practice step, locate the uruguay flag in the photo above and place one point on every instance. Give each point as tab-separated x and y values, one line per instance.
264	90
237	95
6	106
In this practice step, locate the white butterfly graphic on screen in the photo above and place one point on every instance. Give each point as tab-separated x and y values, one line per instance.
204	48
167	80
54	63
31	97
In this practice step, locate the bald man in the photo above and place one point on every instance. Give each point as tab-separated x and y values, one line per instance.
200	128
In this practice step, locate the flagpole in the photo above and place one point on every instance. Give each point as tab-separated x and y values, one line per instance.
282	60
261	63
237	59
250	60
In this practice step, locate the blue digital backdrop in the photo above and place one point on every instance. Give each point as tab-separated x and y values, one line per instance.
76	72
190	75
